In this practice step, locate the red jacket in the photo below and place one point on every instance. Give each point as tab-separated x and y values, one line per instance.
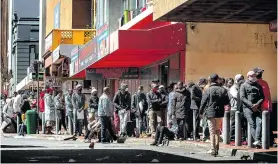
267	103
41	105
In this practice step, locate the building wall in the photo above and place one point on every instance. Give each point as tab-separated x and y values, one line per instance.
229	49
162	7
74	14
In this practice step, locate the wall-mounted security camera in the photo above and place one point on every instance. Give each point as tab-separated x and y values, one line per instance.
192	26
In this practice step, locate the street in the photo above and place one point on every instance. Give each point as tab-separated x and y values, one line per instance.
30	150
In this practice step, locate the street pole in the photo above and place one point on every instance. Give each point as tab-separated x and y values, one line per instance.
38	92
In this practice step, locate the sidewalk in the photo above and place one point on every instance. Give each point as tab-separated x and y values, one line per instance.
225	150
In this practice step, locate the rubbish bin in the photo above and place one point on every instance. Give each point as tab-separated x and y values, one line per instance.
31	118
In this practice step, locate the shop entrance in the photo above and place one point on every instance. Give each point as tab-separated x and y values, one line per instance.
164	73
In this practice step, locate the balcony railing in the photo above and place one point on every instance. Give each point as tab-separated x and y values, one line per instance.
76	36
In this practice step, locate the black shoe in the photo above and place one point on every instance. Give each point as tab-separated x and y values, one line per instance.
154	144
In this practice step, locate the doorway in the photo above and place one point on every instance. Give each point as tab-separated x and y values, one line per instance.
164	73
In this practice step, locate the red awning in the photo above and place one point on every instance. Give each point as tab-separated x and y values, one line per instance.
139	48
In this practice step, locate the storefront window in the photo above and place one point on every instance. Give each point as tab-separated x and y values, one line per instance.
102	14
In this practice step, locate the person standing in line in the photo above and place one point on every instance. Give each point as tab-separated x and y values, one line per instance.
49	110
69	111
163	106
233	93
196	97
181	106
172	89
252	97
93	105
17	104
214	99
122	101
105	113
267	103
154	111
60	111
78	102
139	106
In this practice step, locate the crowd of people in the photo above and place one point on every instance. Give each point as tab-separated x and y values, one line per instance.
176	112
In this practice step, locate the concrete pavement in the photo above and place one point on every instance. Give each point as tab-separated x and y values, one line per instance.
188	148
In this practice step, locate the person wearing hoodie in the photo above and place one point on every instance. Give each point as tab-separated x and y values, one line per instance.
169	132
93	105
78	102
252	97
154	110
233	94
49	110
196	97
214	100
8	116
181	106
267	103
17	103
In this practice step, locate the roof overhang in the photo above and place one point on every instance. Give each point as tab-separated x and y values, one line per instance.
224	11
139	48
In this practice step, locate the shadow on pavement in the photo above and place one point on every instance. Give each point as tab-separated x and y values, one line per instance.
100	156
18	146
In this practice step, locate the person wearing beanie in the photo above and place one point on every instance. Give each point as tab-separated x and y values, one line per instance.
252	97
214	100
122	101
93	104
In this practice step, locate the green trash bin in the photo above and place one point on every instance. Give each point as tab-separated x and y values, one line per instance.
31	120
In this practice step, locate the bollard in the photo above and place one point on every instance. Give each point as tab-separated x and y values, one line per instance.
57	126
226	128
265	130
249	136
194	125
17	123
43	123
237	129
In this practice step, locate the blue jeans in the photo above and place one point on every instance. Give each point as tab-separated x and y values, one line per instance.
254	119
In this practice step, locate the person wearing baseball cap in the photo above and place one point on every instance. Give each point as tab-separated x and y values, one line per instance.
214	101
267	103
252	96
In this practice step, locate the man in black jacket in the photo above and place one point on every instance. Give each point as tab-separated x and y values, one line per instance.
196	97
93	105
252	96
214	99
181	106
122	101
139	106
154	112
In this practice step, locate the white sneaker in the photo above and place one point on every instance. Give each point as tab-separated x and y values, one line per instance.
257	143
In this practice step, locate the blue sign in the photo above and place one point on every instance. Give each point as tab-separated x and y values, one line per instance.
57	15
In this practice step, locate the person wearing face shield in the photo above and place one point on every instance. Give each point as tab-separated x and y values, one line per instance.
252	97
154	111
122	102
78	102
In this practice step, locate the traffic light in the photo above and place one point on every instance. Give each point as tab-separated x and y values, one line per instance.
35	77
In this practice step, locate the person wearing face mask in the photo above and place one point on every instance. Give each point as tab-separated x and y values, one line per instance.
181	106
267	103
122	102
233	93
78	102
93	104
154	111
139	106
164	99
252	96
